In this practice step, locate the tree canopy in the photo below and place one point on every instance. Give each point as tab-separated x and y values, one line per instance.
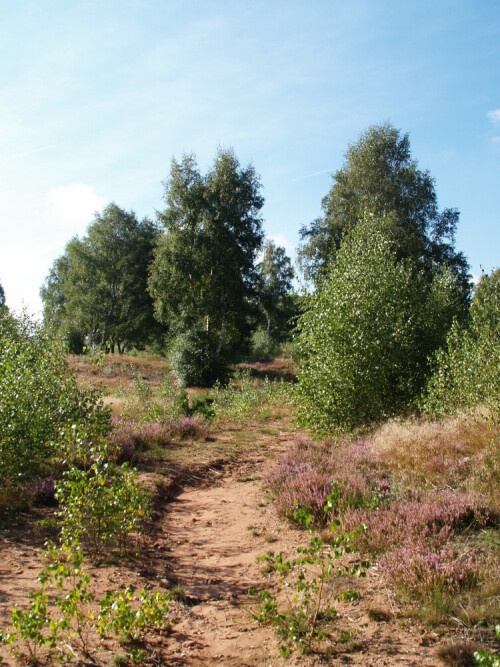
369	329
203	278
379	175
98	287
276	276
2	296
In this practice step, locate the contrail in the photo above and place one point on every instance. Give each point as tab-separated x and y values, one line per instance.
316	173
36	150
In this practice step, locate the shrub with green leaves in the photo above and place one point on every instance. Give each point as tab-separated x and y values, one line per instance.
39	400
193	363
61	616
367	333
243	396
128	615
467	371
100	503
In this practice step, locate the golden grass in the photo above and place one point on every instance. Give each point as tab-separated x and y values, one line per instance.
421	453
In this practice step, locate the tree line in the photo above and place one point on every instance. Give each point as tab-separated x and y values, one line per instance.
189	281
386	283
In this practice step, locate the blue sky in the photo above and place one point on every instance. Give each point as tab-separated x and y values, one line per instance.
96	97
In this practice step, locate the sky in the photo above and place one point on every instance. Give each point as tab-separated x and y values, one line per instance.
97	97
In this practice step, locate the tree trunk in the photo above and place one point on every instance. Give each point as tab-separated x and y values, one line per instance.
222	336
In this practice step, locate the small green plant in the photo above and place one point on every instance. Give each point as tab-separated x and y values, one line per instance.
128	621
301	622
38	625
349	596
61	618
485	658
65	569
31	625
100	503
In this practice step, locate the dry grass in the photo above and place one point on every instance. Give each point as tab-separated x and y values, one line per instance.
421	453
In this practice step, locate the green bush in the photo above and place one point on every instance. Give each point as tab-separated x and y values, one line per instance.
467	372
193	362
367	334
100	503
262	345
39	401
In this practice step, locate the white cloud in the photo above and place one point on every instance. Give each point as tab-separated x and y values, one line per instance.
281	240
73	206
494	115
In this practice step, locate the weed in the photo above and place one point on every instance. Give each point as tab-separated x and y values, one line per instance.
129	621
300	623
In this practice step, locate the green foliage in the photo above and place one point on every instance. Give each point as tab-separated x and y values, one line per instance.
301	621
98	288
275	292
193	363
100	503
31	624
119	616
39	401
203	278
380	175
367	333
61	615
2	296
243	396
262	345
467	371
485	658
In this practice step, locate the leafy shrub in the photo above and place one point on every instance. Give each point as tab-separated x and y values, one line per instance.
194	363
129	621
244	396
467	372
262	345
367	333
39	401
61	616
100	504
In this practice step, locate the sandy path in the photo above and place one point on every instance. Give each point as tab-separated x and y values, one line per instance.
215	536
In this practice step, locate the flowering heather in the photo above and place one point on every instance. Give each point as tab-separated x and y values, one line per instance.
195	427
422	570
436	518
307	472
42	492
131	437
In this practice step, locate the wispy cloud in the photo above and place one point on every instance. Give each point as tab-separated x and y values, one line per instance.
316	173
494	115
35	150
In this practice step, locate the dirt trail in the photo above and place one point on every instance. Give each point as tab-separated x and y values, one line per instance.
207	542
215	536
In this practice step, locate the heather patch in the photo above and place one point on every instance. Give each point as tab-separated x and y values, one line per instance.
132	438
309	473
435	517
423	571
